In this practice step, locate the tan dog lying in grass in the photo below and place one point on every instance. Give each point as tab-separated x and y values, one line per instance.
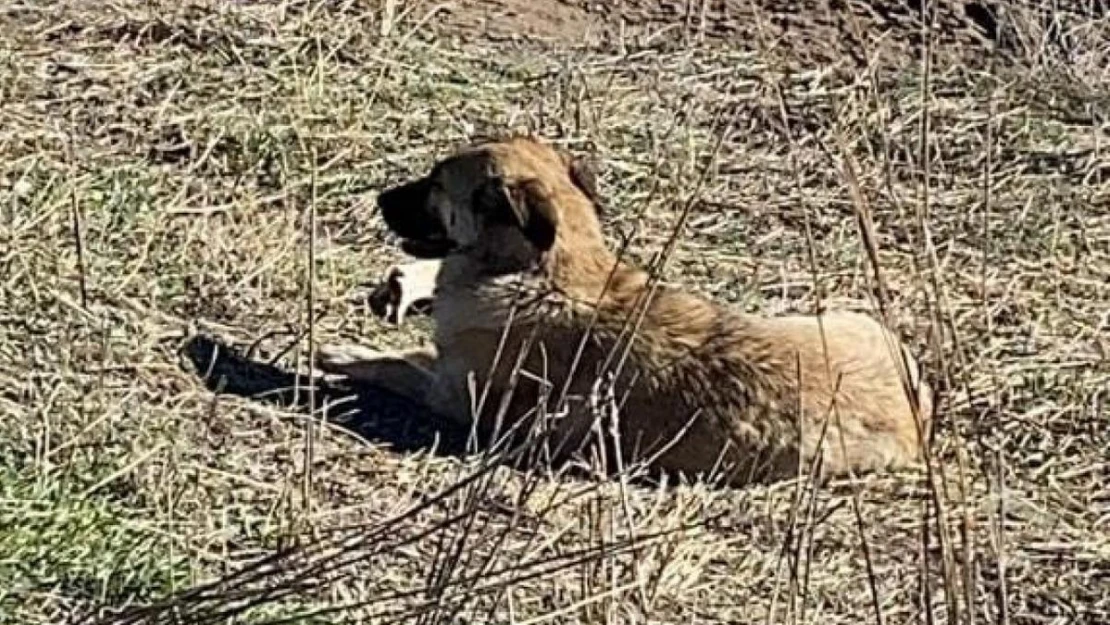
528	297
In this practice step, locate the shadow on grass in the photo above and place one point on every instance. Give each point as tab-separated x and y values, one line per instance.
375	414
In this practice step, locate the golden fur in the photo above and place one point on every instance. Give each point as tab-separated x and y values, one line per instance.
526	275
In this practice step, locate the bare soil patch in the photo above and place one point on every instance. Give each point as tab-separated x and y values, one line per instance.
808	32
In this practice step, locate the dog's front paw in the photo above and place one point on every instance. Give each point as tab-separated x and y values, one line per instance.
408	287
341	359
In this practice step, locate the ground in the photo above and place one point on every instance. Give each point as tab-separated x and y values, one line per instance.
180	181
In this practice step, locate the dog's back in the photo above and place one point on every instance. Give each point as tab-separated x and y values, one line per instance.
702	388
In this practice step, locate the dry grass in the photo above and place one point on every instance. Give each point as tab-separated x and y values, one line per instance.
164	164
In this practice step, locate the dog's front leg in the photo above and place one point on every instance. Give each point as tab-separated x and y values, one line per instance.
409	374
405	287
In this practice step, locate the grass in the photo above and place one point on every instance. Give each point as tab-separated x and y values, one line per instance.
159	163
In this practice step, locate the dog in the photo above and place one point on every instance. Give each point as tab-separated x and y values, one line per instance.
536	319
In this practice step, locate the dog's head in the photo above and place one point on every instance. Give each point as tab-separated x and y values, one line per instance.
507	199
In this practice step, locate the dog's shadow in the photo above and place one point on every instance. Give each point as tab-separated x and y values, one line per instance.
375	414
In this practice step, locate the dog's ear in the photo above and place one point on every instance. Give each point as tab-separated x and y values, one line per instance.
526	204
583	173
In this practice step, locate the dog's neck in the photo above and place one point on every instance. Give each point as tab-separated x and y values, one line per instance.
588	280
502	251
592	274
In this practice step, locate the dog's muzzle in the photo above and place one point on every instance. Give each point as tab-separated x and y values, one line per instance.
406	213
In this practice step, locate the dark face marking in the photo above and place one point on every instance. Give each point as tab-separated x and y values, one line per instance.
408	213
